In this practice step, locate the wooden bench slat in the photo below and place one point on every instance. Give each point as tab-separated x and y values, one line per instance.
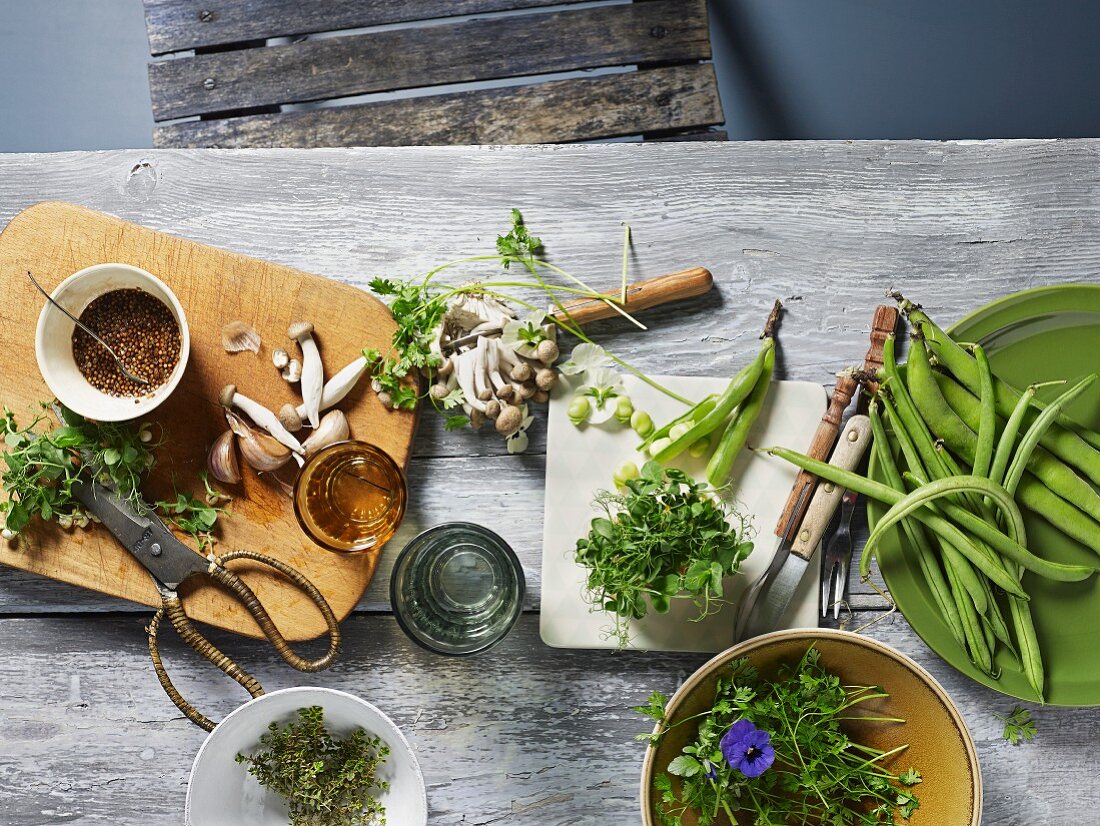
652	32
705	135
675	97
180	25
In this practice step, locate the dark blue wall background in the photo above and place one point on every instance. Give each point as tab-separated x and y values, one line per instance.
829	69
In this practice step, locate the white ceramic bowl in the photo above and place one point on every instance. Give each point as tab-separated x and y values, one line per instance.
54	349
221	792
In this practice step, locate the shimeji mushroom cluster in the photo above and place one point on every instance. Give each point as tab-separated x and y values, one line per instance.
492	363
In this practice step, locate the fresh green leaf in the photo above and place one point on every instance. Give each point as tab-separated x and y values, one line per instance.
1019	727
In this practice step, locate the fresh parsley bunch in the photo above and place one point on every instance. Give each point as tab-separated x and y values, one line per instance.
665	537
777	751
326	781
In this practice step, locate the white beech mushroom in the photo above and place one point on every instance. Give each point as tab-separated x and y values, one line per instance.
547	351
541	397
339	385
481	370
493	408
333	428
313	373
293	371
464	370
280	358
509	420
501	386
260	415
546	378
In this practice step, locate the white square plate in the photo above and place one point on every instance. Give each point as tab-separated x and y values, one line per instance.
580	462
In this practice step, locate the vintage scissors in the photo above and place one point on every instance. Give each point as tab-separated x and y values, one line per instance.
170	562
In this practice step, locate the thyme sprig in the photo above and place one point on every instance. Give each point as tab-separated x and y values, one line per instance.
326	781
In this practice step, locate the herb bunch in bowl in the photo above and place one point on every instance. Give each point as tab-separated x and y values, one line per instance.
664	537
326	781
777	752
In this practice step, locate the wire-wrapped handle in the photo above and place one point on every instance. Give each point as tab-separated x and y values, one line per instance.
173	609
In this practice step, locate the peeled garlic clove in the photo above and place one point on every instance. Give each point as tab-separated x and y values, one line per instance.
332	428
222	459
260	451
238	336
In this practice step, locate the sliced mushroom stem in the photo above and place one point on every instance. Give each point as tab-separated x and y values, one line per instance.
260	415
313	374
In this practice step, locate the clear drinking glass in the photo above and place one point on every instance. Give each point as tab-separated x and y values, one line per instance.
457	588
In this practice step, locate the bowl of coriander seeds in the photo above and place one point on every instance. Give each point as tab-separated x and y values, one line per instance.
142	322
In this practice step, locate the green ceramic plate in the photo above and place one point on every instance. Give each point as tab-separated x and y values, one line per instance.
1040	334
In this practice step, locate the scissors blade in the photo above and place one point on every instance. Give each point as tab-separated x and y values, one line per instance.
151	542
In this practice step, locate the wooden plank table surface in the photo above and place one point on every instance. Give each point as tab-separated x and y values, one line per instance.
525	734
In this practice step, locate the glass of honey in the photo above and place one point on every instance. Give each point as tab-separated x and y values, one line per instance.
350	497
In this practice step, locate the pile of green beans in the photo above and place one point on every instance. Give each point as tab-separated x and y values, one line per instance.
961	453
732	414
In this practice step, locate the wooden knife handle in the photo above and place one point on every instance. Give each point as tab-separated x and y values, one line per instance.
884	324
822	443
641	295
850	448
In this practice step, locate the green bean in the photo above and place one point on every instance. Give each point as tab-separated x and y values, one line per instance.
915	533
736	391
938	490
956	433
1030	657
701	409
1067	517
1034	433
983	530
1011	430
980	654
987	420
1074	444
737	431
909	415
995	619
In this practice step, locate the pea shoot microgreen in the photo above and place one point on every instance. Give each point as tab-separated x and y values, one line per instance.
1019	727
664	537
45	461
778	751
193	516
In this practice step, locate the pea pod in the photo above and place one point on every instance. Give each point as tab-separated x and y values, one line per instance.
736	391
737	431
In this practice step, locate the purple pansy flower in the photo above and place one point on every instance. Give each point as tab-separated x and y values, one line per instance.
747	749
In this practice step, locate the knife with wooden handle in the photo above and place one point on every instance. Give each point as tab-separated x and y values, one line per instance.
641	295
781	586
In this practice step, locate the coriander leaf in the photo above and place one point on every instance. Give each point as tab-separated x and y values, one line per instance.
1019	727
456	422
911	777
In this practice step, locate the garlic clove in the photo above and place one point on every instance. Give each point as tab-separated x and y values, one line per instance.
261	451
222	459
237	336
332	428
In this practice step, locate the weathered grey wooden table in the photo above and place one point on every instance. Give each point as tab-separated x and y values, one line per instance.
526	734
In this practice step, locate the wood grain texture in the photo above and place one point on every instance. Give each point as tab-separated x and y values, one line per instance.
179	25
55	239
512	46
577	109
527	735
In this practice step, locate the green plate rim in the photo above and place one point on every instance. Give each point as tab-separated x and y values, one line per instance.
875	510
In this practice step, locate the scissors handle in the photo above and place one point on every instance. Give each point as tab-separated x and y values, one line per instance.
173	609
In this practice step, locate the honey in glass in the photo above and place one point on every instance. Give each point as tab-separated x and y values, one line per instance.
350	497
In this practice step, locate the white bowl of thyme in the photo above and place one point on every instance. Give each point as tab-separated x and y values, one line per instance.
136	314
364	767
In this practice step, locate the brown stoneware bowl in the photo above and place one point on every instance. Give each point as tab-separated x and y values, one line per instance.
940	746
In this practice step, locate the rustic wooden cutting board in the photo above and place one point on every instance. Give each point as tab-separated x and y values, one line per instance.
214	286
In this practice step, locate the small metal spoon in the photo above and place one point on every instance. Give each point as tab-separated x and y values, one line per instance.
118	362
